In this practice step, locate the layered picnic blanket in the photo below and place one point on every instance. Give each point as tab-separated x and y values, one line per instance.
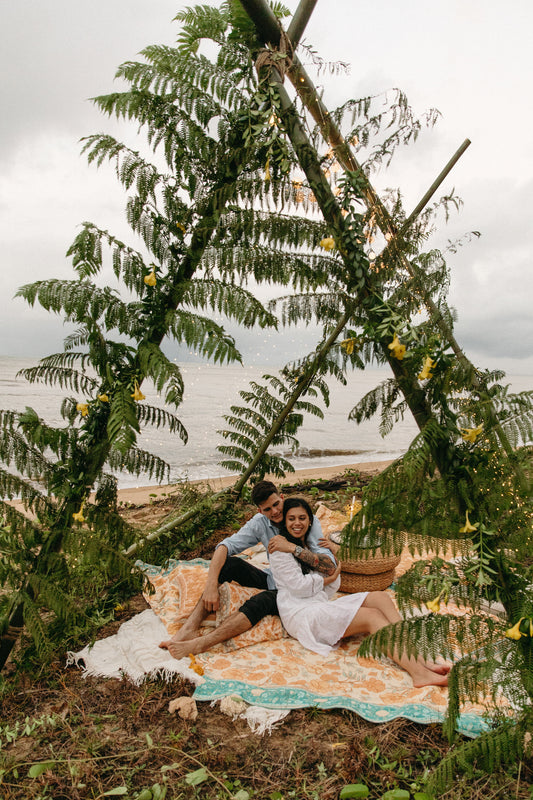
264	666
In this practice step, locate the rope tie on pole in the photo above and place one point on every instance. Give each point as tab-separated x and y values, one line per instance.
279	57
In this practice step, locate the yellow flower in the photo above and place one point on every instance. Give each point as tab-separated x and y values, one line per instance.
195	666
434	605
514	632
353	508
83	408
397	349
426	373
103	398
181	227
468	527
267	171
348	345
78	516
137	394
471	434
328	243
150	279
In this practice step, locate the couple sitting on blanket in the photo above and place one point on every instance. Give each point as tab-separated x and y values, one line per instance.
304	575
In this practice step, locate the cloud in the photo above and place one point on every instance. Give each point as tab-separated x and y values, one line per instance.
59	53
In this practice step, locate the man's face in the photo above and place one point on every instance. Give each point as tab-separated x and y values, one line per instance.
272	508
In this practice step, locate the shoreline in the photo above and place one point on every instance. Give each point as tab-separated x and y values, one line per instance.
140	495
144	495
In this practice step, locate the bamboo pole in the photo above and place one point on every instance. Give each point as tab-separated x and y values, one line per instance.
414	395
269	28
299	20
297	393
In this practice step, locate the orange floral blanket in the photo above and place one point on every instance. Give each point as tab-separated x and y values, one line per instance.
266	668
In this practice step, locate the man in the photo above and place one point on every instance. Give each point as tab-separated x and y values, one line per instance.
226	566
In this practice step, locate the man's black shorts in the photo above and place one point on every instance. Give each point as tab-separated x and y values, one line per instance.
244	573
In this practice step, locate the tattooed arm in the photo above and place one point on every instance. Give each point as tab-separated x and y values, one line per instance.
319	562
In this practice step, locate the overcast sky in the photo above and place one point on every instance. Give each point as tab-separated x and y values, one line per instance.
471	60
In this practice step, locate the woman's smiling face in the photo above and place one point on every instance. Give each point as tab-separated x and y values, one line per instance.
297	522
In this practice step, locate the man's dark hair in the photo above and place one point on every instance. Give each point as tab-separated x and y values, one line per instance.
262	491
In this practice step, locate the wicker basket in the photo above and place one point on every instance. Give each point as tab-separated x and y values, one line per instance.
370	574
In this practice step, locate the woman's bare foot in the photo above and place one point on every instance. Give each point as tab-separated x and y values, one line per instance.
439	669
423	676
434	666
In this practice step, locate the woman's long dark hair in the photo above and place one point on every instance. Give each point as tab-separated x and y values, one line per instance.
297	502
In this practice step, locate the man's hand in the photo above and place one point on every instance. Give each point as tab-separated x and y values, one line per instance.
329	545
280	544
211	598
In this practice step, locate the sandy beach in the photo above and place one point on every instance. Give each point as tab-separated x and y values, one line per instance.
144	494
141	495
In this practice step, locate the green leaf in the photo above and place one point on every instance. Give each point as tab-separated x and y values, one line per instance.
354	790
159	792
196	777
242	794
396	794
38	769
149	740
146	794
118	790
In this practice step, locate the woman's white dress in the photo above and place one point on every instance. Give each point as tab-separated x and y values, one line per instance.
305	608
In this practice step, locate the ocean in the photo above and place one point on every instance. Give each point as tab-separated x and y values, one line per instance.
209	393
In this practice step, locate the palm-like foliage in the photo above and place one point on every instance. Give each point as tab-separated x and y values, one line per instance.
447	472
197	117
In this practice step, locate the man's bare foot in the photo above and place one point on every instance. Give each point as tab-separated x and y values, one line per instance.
183	649
184	634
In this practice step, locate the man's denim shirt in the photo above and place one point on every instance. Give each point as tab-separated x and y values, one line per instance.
261	529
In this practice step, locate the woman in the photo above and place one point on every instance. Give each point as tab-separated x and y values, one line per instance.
318	624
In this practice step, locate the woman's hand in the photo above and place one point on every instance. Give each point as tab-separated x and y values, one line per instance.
334	575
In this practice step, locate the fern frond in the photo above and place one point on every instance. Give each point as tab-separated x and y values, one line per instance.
122	424
64	377
165	374
203	335
159	417
233	301
490	750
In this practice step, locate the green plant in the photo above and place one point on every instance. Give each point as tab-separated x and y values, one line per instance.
193	112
